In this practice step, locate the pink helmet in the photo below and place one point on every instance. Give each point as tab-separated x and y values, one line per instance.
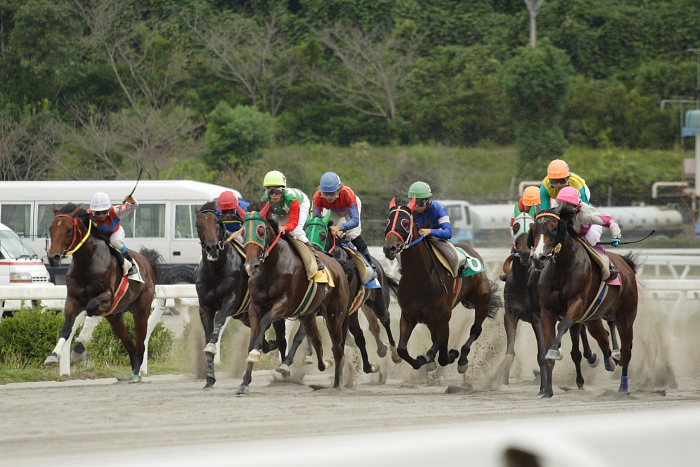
569	194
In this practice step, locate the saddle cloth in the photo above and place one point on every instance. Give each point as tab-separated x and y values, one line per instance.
471	264
598	257
307	257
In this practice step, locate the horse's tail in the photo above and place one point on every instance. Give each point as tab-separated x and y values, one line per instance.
495	301
154	258
633	261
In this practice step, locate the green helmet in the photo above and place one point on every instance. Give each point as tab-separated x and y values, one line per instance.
275	178
419	190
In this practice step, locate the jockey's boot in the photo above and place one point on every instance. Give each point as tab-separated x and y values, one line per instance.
127	257
319	264
613	272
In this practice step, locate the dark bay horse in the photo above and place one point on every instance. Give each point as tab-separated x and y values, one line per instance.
222	286
279	289
376	301
569	282
93	278
426	292
521	303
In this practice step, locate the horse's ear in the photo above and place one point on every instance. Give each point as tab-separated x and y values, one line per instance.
76	211
412	205
56	209
392	203
327	217
265	210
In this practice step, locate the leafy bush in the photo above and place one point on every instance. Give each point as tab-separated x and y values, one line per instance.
105	348
28	337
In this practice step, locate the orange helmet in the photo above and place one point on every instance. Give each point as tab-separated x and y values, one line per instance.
531	196
228	200
557	169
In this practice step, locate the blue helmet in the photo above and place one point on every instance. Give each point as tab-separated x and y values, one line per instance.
330	182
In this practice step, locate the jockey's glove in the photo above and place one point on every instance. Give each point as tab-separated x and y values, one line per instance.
615	241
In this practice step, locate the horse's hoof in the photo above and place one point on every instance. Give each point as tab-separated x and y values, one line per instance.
283	369
136	378
210	383
381	351
210	349
395	357
308	360
461	369
610	364
76	357
593	361
51	360
553	354
616	355
430	367
547	395
243	390
254	356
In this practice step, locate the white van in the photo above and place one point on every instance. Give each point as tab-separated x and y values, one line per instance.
19	264
164	221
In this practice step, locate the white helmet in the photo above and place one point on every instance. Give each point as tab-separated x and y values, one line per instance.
100	202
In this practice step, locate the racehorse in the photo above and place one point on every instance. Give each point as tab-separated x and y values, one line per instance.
222	286
569	287
93	279
426	292
376	304
279	289
521	303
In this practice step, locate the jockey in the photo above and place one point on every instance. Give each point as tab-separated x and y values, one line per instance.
583	216
291	205
433	222
231	210
529	202
108	220
558	177
345	207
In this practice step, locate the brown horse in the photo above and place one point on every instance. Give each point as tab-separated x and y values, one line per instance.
279	289
569	283
521	303
93	278
222	286
426	292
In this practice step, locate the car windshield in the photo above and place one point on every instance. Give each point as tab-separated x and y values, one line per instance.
15	246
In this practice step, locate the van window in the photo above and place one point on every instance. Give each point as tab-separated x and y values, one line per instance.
185	220
17	217
148	221
44	218
455	213
14	246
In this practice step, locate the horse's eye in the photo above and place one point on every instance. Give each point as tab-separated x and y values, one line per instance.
516	228
405	224
322	236
260	230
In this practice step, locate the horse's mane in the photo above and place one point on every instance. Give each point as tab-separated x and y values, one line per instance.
209	205
85	218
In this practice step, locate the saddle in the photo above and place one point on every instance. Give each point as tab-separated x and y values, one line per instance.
601	259
471	264
307	257
365	270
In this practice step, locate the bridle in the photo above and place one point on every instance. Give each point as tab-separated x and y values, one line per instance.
252	235
221	244
524	221
554	251
78	238
392	227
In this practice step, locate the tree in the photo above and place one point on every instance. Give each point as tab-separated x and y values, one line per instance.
537	82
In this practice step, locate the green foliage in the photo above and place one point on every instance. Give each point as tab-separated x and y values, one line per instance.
106	349
28	337
235	137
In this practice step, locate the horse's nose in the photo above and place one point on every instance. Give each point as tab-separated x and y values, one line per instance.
524	257
212	252
55	260
390	251
252	269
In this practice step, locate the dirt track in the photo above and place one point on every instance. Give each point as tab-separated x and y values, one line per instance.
43	420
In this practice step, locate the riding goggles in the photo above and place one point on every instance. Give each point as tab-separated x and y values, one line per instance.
330	194
228	212
274	191
559	181
101	213
420	202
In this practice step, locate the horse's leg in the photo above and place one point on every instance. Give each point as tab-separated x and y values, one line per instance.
616	354
548	320
280	338
624	325
89	325
406	328
442	336
588	354
599	333
373	322
381	309
510	323
70	312
120	330
575	332
337	323
541	362
356	330
289	359
100	304
573	309
481	310
206	315
141	311
254	317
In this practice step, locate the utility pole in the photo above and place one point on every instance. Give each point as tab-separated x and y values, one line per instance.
697	75
534	7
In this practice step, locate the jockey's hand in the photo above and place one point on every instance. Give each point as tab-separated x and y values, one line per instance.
283	229
615	241
130	199
336	230
425	232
